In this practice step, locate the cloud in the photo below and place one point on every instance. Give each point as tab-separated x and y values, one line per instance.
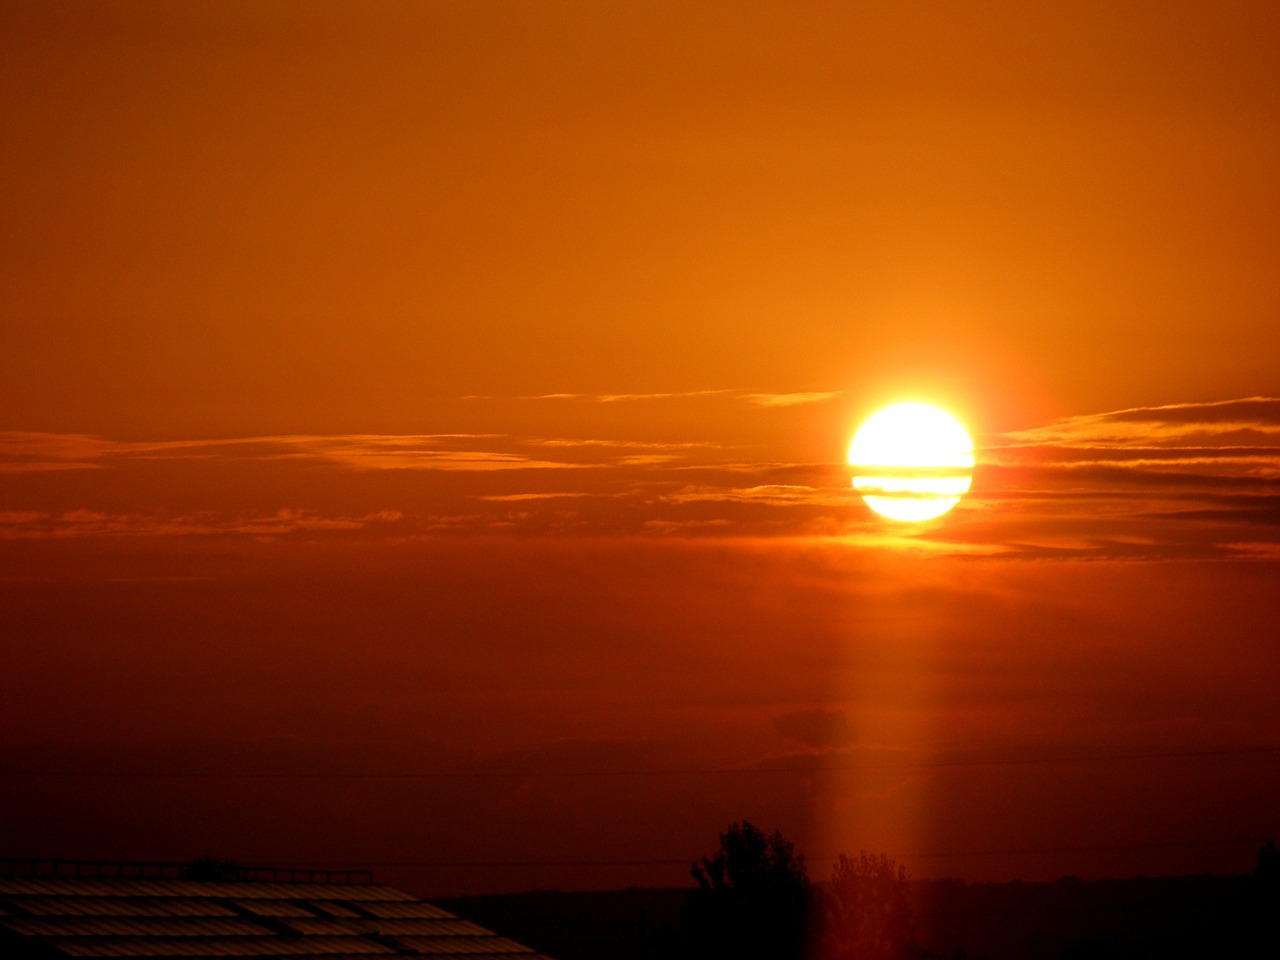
22	516
381	459
625	444
1177	481
758	399
464	452
1251	421
820	729
41	466
1247	410
775	494
790	399
1181	481
647	459
678	526
1179	448
33	525
39	452
35	452
607	397
515	497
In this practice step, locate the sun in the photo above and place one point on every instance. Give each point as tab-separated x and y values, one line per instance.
912	462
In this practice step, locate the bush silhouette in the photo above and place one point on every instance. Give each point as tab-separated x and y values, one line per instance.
866	911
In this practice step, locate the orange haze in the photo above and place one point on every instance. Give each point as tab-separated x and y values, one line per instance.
422	435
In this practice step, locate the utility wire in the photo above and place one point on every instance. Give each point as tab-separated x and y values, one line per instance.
926	855
806	768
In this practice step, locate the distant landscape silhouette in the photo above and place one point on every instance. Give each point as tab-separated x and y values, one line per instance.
754	898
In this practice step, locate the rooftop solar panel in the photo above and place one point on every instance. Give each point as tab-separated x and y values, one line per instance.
218	947
160	917
464	945
432	928
315	927
393	928
408	910
357	892
134	926
276	908
113	887
335	908
125	906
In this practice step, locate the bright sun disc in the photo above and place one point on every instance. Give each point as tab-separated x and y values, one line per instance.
911	462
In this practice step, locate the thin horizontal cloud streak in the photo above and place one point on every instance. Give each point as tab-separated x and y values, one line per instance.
625	444
473	460
1253	419
32	452
1253	509
1159	444
774	494
32	525
559	495
607	397
792	399
1246	410
46	466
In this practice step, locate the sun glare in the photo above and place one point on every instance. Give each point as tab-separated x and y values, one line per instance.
911	461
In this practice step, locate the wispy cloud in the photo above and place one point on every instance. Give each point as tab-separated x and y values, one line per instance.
374	454
1224	438
1160	482
22	516
774	493
70	524
1251	421
687	526
757	399
517	497
820	729
36	452
625	444
606	397
1182	480
790	399
477	452
46	466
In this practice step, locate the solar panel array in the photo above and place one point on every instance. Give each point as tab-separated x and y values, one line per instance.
99	917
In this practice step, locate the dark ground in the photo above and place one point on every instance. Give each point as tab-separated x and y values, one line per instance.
1199	916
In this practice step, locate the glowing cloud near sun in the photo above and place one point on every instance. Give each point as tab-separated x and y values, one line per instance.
912	462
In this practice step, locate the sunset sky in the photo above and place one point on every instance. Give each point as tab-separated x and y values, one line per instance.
423	432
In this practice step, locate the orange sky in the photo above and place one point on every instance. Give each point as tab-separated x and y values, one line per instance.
451	400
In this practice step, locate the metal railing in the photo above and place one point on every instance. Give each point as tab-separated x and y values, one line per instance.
198	870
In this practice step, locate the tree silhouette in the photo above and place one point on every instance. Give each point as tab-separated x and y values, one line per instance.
866	911
752	900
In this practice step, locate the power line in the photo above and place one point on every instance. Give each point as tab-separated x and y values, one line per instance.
686	861
807	768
